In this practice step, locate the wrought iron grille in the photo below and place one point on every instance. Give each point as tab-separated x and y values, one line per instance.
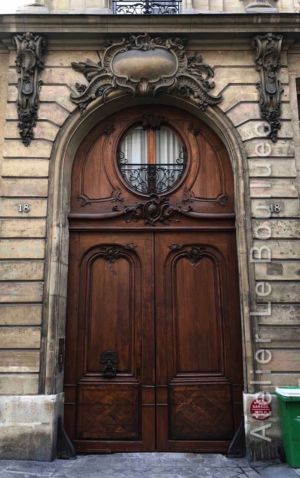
147	7
152	178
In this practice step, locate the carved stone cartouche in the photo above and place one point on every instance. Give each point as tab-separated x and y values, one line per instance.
146	66
29	63
270	90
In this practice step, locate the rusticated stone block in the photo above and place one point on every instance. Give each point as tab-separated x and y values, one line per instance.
29	428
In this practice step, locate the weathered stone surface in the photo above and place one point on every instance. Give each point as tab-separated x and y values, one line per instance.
64	57
44	130
282	292
237	74
58	93
232	96
9	207
294	61
21	291
60	76
283	360
288	207
262	148
266	167
282	314
29	428
242	111
25	167
19	360
20	337
284	379
24	187
20	314
275	188
22	227
16	149
21	270
281	249
259	448
280	335
278	271
53	112
22	248
276	228
249	131
18	384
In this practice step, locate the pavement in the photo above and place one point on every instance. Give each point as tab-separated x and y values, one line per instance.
147	465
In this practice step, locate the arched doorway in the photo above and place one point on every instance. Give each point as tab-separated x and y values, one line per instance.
153	340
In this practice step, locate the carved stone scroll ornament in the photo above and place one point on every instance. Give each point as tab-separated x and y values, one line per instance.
270	90
29	63
146	66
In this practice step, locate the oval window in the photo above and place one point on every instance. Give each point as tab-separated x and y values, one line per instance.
151	161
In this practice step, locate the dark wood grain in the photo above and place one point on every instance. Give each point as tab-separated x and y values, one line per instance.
164	298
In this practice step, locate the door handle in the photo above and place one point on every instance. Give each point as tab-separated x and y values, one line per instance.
109	359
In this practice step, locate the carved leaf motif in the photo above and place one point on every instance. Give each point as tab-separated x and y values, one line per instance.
113	253
29	63
192	253
156	210
270	90
191	77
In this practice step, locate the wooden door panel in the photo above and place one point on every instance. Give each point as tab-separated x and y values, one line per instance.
112	311
197	269
152	285
110	304
98	186
200	412
109	412
197	334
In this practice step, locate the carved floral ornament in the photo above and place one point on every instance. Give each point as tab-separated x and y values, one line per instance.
29	64
268	50
146	66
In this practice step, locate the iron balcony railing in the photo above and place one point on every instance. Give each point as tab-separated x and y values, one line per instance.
147	7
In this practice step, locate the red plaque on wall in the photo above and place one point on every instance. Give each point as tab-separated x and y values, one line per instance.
260	409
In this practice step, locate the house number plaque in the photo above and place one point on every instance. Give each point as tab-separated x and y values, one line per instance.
24	208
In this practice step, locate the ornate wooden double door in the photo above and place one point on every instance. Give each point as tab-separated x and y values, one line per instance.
153	342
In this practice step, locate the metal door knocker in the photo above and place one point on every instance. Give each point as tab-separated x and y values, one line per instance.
109	358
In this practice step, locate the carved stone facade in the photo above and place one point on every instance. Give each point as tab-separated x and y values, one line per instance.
203	6
251	104
270	88
145	65
29	63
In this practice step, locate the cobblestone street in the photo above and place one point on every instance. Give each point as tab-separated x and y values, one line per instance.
146	465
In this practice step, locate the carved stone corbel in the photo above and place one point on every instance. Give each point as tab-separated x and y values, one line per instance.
146	66
268	50
29	63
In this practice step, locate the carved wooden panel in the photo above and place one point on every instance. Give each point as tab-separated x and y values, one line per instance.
153	345
109	413
196	313
200	412
110	271
99	190
110	342
198	340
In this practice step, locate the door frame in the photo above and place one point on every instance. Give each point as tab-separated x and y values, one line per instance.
76	127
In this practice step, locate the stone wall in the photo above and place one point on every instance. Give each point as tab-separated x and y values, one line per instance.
273	178
214	6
